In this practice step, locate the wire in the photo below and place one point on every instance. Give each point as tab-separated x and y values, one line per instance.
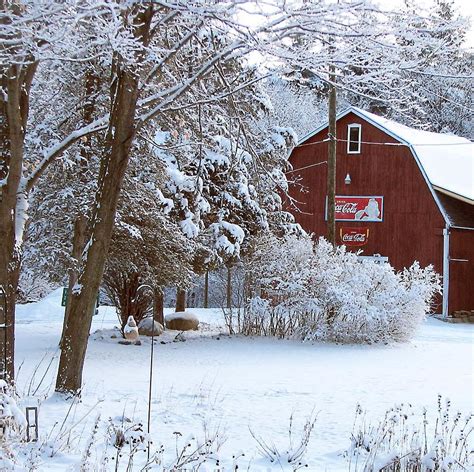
385	144
307	167
313	143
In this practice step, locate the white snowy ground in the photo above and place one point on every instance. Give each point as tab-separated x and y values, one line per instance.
236	384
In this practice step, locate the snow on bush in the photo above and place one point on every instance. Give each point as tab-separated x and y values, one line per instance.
365	301
12	420
290	457
12	424
317	292
404	440
119	444
32	287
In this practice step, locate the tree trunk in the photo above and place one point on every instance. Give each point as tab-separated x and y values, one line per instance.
9	269
78	243
158	307
206	289
180	299
331	182
15	82
9	274
229	288
113	166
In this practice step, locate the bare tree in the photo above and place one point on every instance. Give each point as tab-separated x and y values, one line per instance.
156	55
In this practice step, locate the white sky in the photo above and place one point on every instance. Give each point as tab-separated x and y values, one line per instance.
465	8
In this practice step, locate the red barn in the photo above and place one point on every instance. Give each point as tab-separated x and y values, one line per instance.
401	195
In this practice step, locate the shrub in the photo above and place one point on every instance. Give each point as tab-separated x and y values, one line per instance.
32	287
325	293
291	457
12	425
404	441
12	420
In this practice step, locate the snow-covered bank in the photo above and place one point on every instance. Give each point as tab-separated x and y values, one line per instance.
236	383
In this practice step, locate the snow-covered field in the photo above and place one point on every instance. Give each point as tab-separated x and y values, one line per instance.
238	384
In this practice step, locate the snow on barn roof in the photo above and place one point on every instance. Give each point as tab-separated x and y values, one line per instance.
447	160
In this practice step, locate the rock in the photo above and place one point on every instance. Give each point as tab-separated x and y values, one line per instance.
145	327
182	321
125	342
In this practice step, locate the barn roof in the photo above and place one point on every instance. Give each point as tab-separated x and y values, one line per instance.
447	160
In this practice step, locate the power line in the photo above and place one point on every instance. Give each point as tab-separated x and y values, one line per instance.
307	167
385	144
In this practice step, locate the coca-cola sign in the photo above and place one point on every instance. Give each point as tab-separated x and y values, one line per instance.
359	208
354	236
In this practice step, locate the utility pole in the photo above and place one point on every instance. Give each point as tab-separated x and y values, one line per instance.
331	182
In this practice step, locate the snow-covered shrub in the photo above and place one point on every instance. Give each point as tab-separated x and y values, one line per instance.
406	441
116	444
12	424
12	420
364	301
326	293
278	274
7	460
125	439
32	287
291	457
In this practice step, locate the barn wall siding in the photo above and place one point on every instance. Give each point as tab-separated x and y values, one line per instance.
412	227
461	267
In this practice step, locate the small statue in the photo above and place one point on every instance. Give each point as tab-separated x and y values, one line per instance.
130	331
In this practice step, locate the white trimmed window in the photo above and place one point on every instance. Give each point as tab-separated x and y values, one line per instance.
354	133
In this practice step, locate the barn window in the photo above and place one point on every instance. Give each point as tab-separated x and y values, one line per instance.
353	139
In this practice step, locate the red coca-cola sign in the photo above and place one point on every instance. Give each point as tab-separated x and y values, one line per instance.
354	236
359	208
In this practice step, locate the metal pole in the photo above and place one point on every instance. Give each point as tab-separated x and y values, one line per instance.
150	382
446	268
150	376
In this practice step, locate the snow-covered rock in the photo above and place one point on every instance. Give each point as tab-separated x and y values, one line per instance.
182	321
145	327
